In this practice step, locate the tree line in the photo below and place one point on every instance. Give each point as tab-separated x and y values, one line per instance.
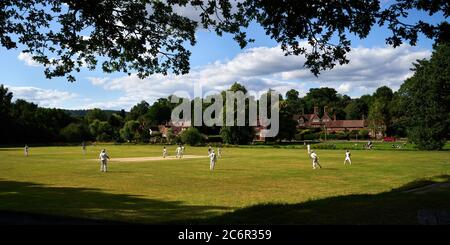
419	110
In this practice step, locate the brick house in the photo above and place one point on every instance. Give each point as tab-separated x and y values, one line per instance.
177	129
327	123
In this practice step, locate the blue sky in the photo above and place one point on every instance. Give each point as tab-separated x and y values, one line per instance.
216	63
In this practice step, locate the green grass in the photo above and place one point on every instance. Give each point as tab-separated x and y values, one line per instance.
249	185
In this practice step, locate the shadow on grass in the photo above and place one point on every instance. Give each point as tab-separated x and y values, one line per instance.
398	206
32	203
9	149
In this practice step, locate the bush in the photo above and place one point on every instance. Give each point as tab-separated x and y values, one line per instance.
342	136
364	134
331	136
353	134
191	136
311	136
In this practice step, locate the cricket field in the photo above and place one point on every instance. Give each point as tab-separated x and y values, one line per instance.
250	185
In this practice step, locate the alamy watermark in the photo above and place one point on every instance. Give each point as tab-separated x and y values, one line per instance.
258	109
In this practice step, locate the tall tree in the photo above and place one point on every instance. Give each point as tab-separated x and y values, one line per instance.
380	112
426	100
356	109
130	132
101	130
95	114
399	122
75	132
294	104
288	126
34	124
321	97
237	134
5	114
138	111
116	121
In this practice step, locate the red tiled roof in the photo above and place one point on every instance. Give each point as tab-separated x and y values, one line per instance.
326	116
308	117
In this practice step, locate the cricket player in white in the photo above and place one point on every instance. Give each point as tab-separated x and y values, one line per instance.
347	157
219	152
103	161
26	150
315	160
178	152
212	160
164	152
209	150
181	151
309	149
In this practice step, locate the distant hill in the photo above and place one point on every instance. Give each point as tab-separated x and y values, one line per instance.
82	113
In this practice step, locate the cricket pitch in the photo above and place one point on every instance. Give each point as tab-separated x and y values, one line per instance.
145	159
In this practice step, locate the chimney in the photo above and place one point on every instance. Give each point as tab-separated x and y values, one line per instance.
325	110
334	117
316	110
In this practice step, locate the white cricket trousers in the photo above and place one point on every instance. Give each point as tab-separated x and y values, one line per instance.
103	166
348	159
316	164
212	164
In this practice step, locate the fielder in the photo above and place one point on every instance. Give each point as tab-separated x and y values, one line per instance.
178	152
164	152
181	151
315	160
26	150
347	157
309	149
209	150
103	161
212	160
219	152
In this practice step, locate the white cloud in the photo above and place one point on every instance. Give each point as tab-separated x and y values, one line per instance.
97	80
194	12
28	59
262	68
344	88
367	65
120	103
42	97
